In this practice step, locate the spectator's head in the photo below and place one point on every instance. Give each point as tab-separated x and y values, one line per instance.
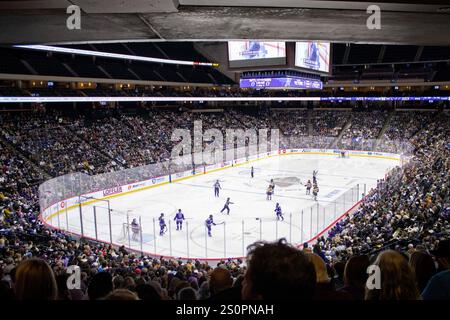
194	283
162	292
122	294
203	292
442	254
317	248
187	293
220	280
396	279
63	291
307	248
118	282
35	281
278	271
147	292
339	268
129	283
100	286
181	285
355	272
423	267
320	267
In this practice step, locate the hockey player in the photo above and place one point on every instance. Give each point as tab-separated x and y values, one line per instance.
135	229
269	193
279	212
252	172
217	187
179	217
315	172
162	225
308	186
272	184
315	191
226	206
208	223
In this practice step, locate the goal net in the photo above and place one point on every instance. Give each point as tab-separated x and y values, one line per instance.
130	233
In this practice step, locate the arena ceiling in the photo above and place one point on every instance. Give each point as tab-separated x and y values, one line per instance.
420	22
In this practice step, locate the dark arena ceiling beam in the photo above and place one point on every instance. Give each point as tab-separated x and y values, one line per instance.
422	23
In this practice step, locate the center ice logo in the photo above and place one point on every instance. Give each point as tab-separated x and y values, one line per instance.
286	181
208	146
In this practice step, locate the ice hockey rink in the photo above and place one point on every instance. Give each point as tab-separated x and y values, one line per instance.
342	183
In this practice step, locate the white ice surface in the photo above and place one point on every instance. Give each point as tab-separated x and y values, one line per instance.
251	218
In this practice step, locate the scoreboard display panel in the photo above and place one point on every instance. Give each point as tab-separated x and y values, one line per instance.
242	54
313	55
277	83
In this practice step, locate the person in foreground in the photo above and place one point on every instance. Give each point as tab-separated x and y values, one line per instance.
397	279
278	271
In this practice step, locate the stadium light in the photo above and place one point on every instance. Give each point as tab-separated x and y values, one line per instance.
203	99
150	99
115	55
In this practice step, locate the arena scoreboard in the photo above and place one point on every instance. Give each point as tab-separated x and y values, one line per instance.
286	82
